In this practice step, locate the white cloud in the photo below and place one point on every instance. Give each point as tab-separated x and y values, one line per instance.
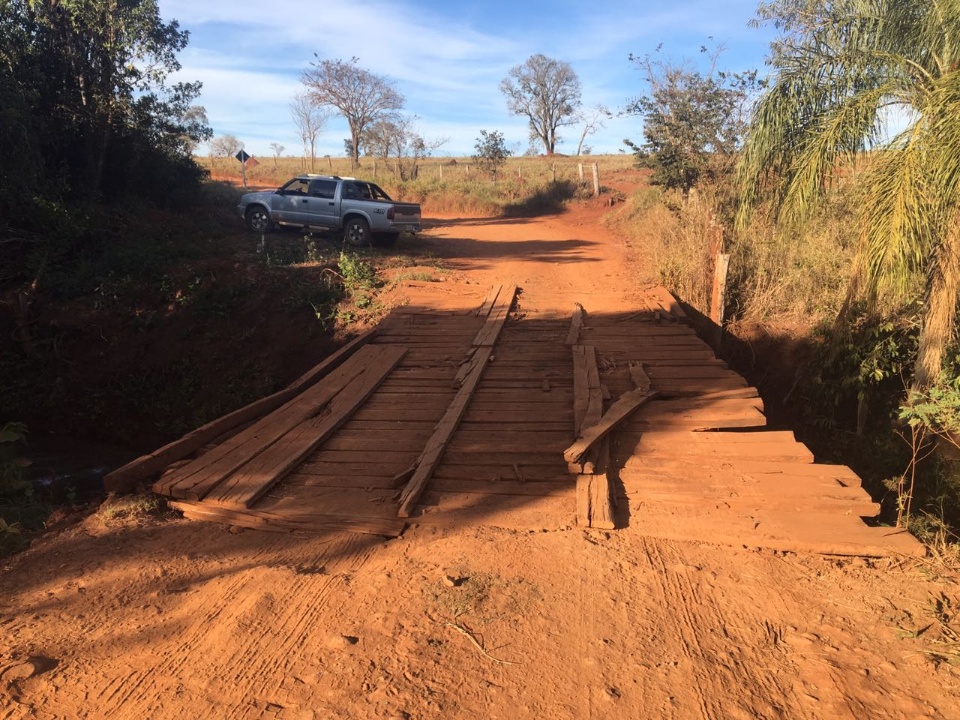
447	59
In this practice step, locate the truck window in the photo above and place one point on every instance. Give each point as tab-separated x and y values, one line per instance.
323	188
377	194
297	186
356	190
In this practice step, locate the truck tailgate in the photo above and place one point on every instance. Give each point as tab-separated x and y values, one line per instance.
406	213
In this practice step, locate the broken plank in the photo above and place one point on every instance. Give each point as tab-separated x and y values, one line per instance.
619	411
247	484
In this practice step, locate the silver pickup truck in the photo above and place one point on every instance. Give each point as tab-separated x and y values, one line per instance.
324	202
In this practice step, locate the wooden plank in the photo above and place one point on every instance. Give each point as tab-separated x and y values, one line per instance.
576	324
501	472
436	445
648	447
297	479
671	438
488	335
123	479
584	499
821	533
247	484
581	390
731	482
619	411
858	507
375	468
489	301
602	498
639	331
787	470
281	522
499	487
195	479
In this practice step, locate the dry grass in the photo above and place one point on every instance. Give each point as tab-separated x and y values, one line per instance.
798	276
444	185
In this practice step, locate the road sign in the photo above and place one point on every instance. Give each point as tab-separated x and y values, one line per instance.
242	156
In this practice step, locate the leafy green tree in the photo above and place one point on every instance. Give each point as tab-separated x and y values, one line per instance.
547	93
693	122
842	69
85	84
491	152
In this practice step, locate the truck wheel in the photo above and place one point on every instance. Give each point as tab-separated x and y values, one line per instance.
258	219
356	232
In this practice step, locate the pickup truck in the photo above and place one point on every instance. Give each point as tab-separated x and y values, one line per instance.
324	202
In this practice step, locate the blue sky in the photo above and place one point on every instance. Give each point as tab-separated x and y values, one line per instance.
447	58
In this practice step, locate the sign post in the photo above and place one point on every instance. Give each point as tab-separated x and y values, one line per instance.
242	156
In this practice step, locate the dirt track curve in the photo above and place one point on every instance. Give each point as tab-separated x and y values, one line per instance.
190	619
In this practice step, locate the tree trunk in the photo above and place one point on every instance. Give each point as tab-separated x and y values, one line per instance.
355	139
940	317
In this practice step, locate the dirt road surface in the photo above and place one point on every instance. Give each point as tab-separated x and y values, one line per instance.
169	618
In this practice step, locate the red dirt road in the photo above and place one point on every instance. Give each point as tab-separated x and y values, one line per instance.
173	619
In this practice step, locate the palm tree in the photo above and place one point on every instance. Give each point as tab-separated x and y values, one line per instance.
846	72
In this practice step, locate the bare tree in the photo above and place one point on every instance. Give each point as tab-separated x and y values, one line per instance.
225	146
277	149
593	120
360	95
310	120
396	136
547	92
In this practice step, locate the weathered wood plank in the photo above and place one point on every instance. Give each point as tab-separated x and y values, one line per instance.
437	443
489	301
247	484
576	325
195	479
124	478
490	332
619	411
289	522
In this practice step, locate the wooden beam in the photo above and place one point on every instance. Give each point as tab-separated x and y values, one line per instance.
286	522
576	323
430	457
618	412
123	479
250	482
484	343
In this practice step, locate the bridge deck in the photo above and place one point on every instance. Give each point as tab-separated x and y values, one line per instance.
454	413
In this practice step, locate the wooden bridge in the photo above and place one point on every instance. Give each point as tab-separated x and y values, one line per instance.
484	415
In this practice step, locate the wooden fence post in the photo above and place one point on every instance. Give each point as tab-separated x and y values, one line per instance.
720	267
580	172
596	180
553	172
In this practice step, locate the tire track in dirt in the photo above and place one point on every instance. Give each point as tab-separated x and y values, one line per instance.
235	636
704	633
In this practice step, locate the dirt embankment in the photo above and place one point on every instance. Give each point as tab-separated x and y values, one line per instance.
165	618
